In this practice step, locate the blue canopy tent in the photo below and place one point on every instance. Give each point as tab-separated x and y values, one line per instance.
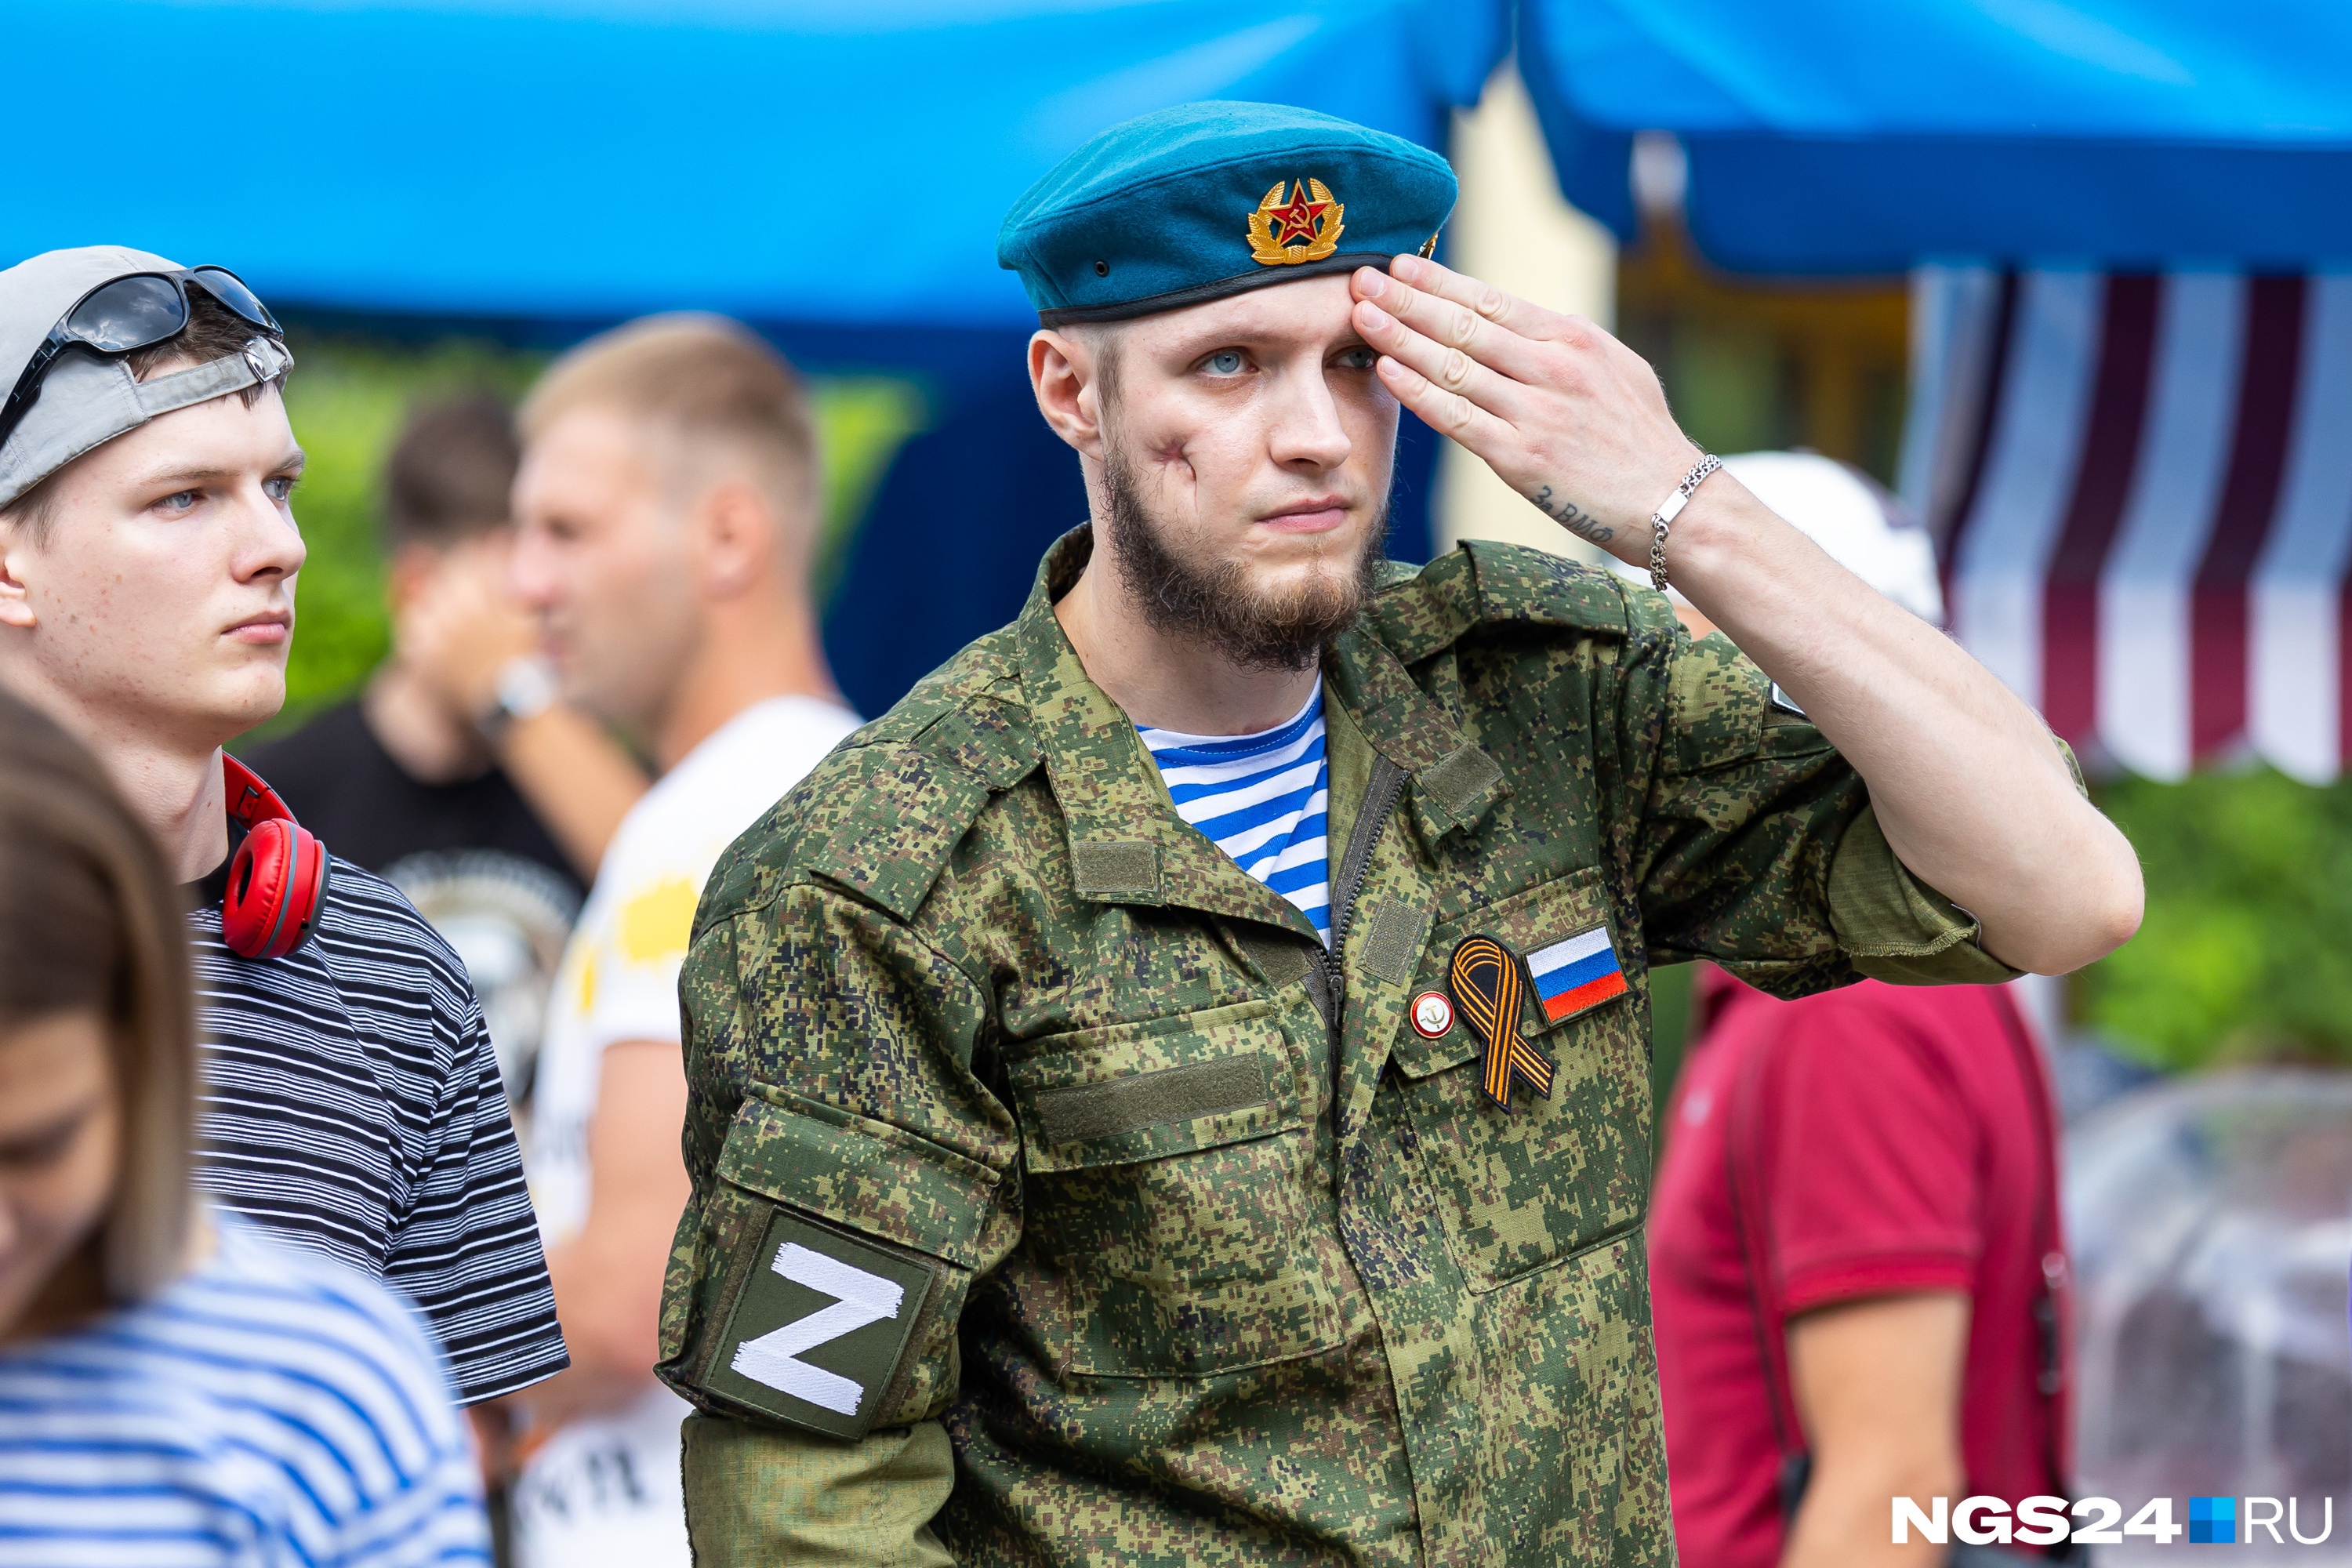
2132	331
1829	136
833	173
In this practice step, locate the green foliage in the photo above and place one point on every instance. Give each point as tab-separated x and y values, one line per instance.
347	398
862	421
1670	1011
1730	389
2242	953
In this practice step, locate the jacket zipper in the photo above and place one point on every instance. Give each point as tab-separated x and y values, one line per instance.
1380	797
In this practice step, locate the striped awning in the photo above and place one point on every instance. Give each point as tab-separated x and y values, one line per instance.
2141	485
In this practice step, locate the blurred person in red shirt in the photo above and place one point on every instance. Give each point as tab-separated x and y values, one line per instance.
1856	1262
1860	1186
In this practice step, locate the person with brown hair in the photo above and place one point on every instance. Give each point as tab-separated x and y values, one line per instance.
178	1388
456	744
1176	1089
148	554
667	509
455	775
431	758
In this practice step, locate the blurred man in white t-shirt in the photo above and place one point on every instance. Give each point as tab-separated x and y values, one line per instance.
667	506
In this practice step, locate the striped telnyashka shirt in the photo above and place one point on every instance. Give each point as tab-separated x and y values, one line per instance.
352	1104
268	1409
1264	799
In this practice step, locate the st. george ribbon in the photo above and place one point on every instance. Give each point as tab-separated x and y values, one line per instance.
1488	986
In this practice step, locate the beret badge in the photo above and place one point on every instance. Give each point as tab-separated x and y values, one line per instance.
1304	228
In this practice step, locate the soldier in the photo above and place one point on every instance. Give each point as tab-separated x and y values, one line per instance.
1176	1088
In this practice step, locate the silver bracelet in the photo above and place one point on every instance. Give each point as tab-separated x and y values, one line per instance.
1669	509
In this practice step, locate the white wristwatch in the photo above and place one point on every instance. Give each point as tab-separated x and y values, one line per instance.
527	687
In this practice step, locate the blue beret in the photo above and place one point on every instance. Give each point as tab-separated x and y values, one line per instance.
1204	200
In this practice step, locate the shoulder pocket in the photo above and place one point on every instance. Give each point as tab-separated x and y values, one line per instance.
1172	1192
1550	1177
854	1245
1716	707
854	1170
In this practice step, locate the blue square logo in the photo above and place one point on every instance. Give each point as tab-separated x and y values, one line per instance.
2212	1521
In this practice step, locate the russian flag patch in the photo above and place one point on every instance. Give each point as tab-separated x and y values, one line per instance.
1575	974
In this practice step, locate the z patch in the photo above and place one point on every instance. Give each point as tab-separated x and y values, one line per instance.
818	1329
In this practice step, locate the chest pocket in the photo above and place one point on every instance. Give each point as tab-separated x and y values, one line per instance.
1172	1194
1523	1188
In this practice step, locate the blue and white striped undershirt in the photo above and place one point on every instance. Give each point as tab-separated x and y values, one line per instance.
269	1407
1264	799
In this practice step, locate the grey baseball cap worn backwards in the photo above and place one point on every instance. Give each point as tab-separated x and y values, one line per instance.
67	317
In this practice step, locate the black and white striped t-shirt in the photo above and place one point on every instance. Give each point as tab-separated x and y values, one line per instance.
352	1104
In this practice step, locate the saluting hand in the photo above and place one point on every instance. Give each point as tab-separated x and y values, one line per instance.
1568	416
1972	796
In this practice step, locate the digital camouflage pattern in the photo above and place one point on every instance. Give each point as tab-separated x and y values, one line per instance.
1213	1280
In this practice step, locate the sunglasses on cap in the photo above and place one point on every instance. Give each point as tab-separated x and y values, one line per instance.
126	314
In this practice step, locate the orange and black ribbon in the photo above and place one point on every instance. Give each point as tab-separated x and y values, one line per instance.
1488	986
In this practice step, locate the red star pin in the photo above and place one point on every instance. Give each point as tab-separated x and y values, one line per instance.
1298	219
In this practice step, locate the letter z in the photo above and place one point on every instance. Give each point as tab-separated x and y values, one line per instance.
859	1299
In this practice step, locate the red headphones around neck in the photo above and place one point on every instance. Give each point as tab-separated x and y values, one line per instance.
278	879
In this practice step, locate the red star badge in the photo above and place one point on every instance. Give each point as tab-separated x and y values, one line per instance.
1298	219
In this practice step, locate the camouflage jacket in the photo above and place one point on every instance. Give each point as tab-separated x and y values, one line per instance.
1058	1200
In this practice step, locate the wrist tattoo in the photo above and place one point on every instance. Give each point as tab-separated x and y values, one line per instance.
1573	518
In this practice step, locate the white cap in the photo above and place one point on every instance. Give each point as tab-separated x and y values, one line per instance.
87	401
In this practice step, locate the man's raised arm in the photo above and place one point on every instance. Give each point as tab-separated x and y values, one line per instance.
1972	794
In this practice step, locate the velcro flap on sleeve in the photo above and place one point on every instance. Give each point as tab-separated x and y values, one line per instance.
1717	704
1895	928
856	1172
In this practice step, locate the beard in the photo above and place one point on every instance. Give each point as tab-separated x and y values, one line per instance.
1215	605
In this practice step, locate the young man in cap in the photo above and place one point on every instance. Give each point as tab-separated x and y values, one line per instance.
148	552
1177	1087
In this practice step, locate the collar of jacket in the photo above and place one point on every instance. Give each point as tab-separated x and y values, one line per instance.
1127	843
